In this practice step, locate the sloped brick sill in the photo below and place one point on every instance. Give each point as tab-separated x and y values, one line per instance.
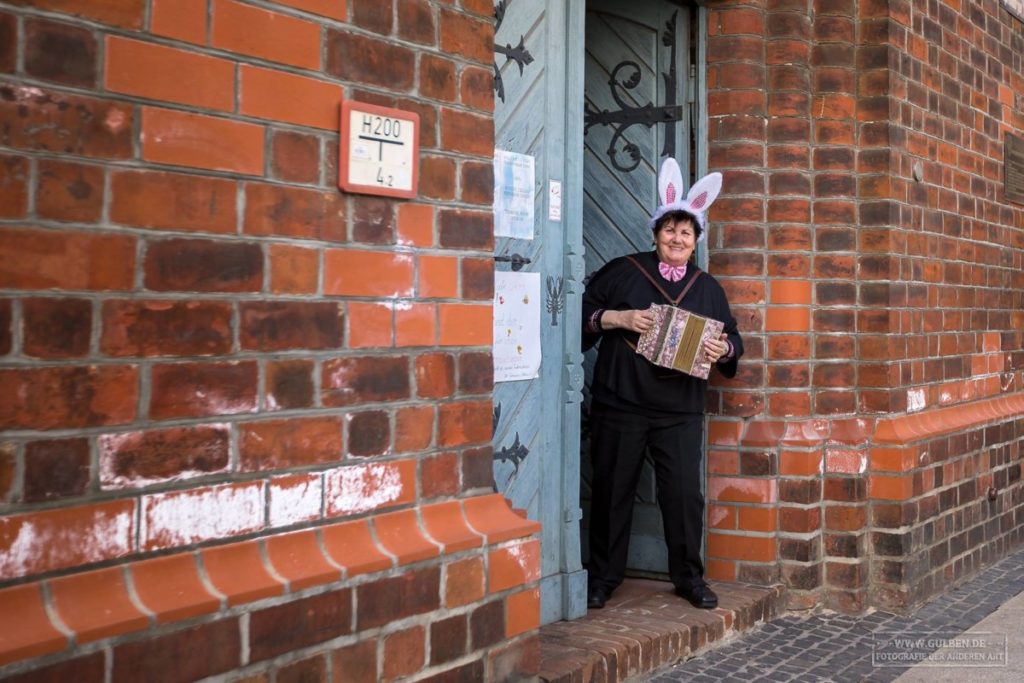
645	627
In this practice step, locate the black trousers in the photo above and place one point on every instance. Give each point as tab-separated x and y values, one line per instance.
619	440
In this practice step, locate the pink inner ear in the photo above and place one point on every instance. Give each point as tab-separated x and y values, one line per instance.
698	201
670	194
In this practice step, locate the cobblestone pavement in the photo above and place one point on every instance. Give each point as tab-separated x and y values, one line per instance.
837	647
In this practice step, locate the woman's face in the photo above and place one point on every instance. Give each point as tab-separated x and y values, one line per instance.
675	240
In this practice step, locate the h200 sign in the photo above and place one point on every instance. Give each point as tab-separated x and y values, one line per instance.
380	150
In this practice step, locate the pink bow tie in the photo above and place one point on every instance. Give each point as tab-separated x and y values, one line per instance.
672	273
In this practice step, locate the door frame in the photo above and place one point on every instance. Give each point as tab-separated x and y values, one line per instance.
572	584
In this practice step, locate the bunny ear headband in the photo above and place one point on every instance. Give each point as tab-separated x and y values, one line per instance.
698	199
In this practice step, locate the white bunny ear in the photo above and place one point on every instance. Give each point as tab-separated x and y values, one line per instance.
670	182
704	192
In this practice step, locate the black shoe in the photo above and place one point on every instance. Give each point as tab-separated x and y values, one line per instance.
699	595
596	597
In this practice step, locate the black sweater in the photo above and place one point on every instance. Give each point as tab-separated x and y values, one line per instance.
627	380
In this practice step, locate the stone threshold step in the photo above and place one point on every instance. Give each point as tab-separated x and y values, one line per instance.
645	627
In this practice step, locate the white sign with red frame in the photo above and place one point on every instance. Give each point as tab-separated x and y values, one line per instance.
380	150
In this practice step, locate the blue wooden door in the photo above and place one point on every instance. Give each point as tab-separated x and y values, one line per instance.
536	421
638	87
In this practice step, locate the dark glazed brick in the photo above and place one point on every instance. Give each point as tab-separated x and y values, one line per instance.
477	278
283	325
289	384
183	656
373	220
476	372
6	333
301	623
477	468
56	469
369	433
163	454
312	670
372	15
467	673
403	596
447	639
466	229
159	328
56	328
88	669
8	42
362	59
60	52
416	21
348	381
197	389
487	625
356	663
203	266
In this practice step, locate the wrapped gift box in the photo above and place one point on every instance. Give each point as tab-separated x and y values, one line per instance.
676	340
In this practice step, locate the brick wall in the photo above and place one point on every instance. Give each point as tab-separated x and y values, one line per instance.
245	416
878	273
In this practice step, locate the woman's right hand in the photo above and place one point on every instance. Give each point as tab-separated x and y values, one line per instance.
633	320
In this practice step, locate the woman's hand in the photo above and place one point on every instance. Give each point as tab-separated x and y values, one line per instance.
715	348
636	321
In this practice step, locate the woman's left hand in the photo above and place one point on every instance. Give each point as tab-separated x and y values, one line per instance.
715	348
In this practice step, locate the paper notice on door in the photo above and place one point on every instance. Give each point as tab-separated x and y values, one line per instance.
517	352
513	195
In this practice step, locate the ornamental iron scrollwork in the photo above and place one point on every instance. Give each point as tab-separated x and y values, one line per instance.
519	54
647	115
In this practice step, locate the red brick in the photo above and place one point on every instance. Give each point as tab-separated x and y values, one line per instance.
364	59
354	380
66	537
404	652
435	375
353	272
372	16
416	23
185	655
362	488
289	384
195	265
439	475
269	35
476	373
283	325
184	139
387	600
464	324
164	73
356	663
300	623
370	325
54	469
294	212
60	52
68	397
124	13
293	270
136	459
465	132
56	328
13	186
172	201
189	516
476	90
415	325
69	191
179	19
464	422
369	433
477	182
464	582
467	36
166	328
310	102
48	259
437	78
295	442
200	389
513	566
415	224
295	157
414	429
335	9
438	276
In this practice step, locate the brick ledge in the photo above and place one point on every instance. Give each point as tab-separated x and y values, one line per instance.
53	615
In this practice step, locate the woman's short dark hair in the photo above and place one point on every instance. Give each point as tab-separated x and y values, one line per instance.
675	217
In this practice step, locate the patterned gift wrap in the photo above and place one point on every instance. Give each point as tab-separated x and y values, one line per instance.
676	340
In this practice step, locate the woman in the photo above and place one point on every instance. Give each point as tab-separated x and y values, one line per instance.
636	406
